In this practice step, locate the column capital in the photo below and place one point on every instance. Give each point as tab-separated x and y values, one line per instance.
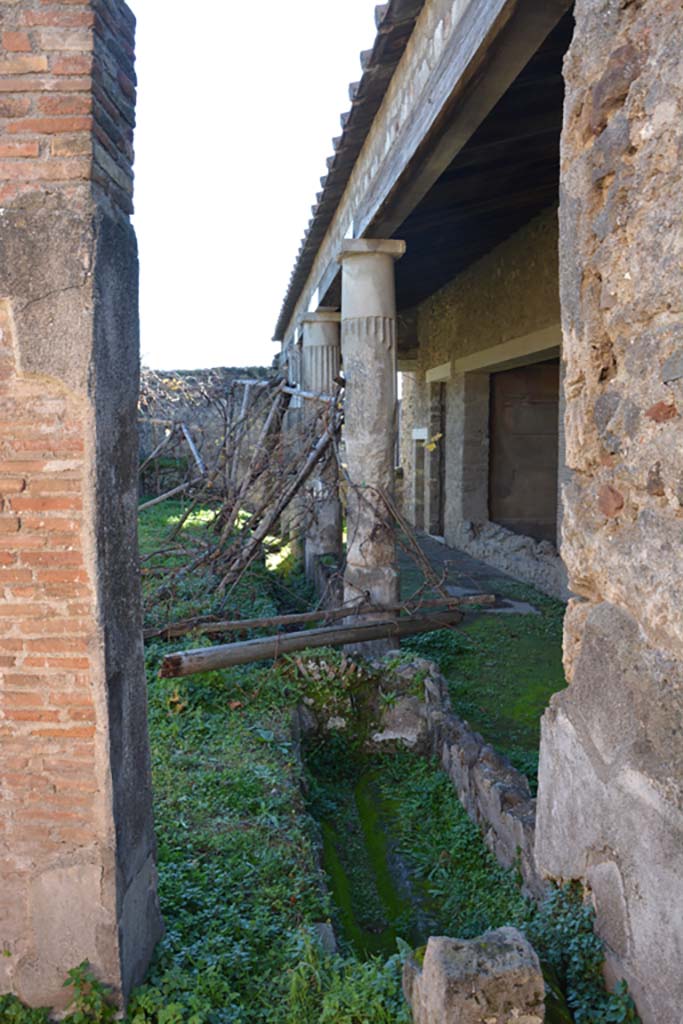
393	247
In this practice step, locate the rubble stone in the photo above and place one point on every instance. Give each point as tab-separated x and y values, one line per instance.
493	979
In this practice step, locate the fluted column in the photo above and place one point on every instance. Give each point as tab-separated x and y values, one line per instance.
320	367
368	336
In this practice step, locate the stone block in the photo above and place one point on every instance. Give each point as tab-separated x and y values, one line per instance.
493	979
404	724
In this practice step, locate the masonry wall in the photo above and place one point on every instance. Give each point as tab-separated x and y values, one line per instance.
77	873
510	294
610	806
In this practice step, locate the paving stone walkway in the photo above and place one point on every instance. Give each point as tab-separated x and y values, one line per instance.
462	575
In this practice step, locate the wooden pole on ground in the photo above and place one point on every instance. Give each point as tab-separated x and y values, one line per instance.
205	659
212	625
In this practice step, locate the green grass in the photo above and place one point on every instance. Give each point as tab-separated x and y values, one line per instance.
502	670
239	877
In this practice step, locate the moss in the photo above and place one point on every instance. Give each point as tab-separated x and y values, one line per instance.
419	955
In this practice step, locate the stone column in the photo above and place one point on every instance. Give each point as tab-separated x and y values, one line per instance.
369	356
77	865
610	799
321	356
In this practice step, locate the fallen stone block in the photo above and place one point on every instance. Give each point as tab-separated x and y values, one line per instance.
493	979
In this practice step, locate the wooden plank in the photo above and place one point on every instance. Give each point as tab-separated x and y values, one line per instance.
493	42
206	659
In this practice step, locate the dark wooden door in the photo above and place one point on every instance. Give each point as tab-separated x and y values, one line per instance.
523	438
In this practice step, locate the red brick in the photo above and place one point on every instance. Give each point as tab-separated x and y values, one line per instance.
19	715
81	714
49	125
25	610
74	575
70	732
16	484
52	558
8	523
50	523
57	645
63	106
11	643
8	557
22	679
31	504
52	626
68	663
26	541
41	485
14	106
76	768
24	84
19	149
15	576
59	18
46	170
79	39
18	699
23	64
66	444
71	145
22	466
16	42
76	65
24	593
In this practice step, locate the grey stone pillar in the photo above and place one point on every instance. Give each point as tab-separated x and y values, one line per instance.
369	355
320	367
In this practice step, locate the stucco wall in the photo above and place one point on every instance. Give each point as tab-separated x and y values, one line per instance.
510	294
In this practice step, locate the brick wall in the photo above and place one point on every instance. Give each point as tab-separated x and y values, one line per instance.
52	787
77	878
67	97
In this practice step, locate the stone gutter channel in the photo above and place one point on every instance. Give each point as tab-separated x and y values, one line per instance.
497	977
495	795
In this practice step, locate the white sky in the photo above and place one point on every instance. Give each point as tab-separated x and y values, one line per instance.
238	101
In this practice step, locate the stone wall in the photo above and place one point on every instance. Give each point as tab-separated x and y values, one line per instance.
611	772
504	304
495	795
77	871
